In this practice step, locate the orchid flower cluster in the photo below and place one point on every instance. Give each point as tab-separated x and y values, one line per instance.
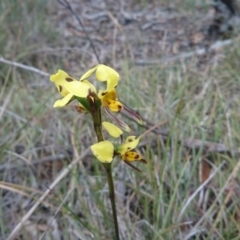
92	101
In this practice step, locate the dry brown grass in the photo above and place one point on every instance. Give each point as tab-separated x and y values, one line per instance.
196	97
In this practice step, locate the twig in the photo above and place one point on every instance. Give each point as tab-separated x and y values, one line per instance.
26	67
199	52
56	213
7	100
67	5
206	214
189	200
230	181
64	172
59	157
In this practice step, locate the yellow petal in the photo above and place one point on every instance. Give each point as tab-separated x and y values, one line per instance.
103	151
114	106
112	129
130	143
112	83
63	102
77	88
105	73
103	94
62	90
61	77
66	84
131	157
58	76
93	89
88	73
109	99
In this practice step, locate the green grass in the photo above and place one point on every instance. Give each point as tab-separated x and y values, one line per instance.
197	104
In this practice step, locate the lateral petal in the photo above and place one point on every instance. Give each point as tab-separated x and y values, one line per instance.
103	151
130	143
64	101
112	129
88	73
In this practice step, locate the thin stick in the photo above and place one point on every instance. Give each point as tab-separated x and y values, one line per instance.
67	5
199	52
8	167
56	213
29	68
198	190
7	100
64	172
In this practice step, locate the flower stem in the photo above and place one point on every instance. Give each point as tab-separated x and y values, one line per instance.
97	122
107	167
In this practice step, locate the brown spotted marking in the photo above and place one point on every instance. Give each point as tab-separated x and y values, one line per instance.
104	93
136	157
60	88
69	79
119	107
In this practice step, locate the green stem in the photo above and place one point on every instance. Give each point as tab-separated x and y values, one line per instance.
107	167
97	121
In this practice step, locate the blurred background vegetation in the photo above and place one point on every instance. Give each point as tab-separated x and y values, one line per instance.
190	187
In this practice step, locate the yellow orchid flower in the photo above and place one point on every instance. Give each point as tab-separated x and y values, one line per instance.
130	143
103	73
109	100
109	96
112	129
103	151
125	150
69	87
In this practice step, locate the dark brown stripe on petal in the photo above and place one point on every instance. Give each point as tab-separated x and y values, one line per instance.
69	79
133	115
60	88
136	157
143	161
118	121
132	166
